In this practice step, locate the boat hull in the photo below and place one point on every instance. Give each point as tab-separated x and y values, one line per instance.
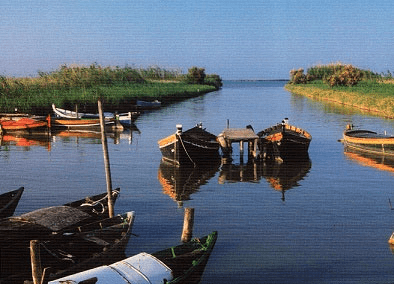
369	141
195	146
285	142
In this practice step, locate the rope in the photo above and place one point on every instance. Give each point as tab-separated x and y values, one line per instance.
184	148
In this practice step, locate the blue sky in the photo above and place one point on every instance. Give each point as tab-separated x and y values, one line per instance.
234	39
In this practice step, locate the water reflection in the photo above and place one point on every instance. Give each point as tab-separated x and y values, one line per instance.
180	182
280	176
380	162
71	136
284	176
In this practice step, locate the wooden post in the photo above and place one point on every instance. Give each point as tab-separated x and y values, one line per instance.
188	221
36	270
106	160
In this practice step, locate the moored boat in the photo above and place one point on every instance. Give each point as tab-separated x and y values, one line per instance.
284	142
368	141
9	201
193	146
83	124
22	124
125	119
184	263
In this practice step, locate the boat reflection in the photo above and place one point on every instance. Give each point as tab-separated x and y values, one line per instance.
377	161
180	182
284	176
25	140
281	176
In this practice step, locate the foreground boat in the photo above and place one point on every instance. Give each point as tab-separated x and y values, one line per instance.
180	264
46	222
193	146
368	141
284	142
9	201
73	251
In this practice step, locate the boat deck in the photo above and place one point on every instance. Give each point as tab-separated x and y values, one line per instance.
241	135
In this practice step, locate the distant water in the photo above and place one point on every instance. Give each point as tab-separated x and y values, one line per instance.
326	220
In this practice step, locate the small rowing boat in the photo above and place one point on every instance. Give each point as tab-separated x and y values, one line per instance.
368	141
24	124
184	263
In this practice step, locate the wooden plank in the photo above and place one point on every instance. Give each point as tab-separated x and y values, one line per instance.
239	134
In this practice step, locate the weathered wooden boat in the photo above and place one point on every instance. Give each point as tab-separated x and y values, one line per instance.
72	251
84	124
283	142
9	201
124	118
193	146
46	222
22	124
368	141
180	264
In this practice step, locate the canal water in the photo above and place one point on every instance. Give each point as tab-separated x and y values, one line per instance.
326	220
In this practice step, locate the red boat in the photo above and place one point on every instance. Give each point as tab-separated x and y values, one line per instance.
22	124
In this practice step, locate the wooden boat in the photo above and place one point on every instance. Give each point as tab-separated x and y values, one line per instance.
9	201
24	124
193	146
180	264
43	223
283	142
72	251
368	141
83	124
147	105
125	119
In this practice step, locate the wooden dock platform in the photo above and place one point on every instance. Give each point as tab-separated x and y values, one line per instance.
240	135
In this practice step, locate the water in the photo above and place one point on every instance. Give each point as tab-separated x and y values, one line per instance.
330	225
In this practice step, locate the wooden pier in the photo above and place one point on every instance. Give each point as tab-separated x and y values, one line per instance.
240	135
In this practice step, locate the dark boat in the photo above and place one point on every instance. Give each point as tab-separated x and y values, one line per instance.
72	251
47	222
283	142
9	201
179	264
193	146
368	141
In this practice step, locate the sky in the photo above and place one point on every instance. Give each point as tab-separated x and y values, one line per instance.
235	39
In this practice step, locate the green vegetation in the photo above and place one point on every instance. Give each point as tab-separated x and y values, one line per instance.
347	85
114	85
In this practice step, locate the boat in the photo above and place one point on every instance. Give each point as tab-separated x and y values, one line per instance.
83	124
46	222
283	142
193	146
125	119
22	124
147	105
9	201
184	263
75	250
368	141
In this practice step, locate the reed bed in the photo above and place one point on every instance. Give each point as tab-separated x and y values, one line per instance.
84	85
372	96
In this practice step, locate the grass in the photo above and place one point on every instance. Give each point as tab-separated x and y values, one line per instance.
117	87
370	95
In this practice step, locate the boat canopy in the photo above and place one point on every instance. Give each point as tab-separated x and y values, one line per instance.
142	268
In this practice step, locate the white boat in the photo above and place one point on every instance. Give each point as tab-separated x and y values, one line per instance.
126	118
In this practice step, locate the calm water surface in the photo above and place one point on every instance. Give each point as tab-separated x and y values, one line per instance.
324	221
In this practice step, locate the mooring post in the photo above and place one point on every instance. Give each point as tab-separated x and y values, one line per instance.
36	271
188	221
106	160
